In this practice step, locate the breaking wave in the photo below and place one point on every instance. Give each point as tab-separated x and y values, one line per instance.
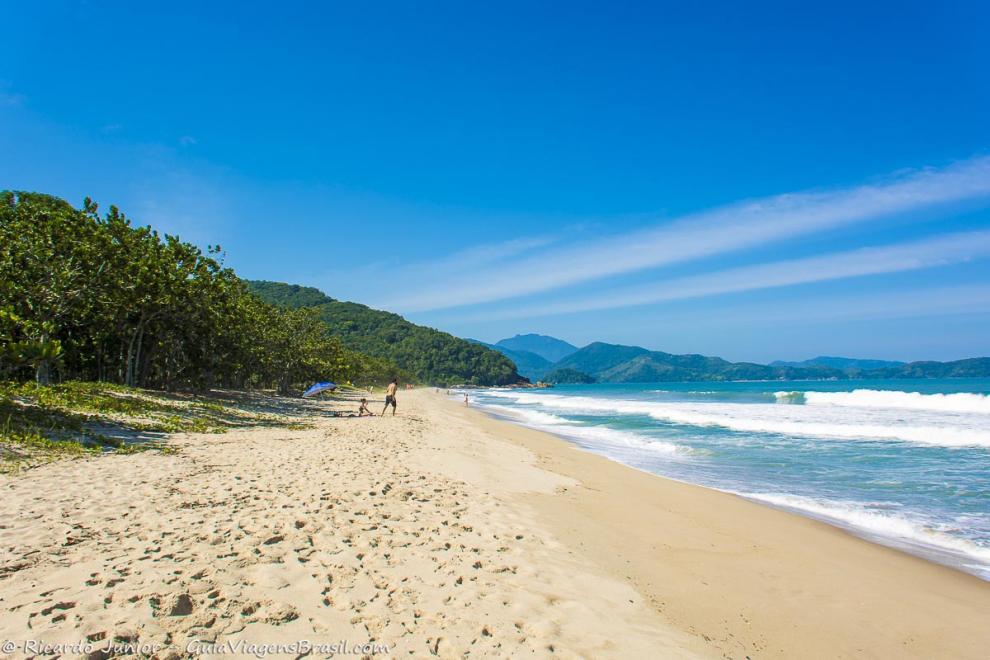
813	421
963	402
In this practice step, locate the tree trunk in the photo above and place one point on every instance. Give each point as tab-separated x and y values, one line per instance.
138	367
43	373
284	383
133	355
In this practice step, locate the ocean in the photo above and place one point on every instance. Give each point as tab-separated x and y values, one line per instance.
905	463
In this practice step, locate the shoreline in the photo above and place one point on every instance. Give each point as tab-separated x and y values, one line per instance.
442	532
782	583
940	555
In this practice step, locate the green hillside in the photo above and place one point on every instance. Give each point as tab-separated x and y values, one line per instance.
529	365
967	368
846	364
90	296
613	363
567	377
599	357
433	356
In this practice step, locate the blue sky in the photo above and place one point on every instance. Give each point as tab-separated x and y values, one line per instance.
759	182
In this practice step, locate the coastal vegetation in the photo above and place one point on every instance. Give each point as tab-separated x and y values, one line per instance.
42	423
429	355
91	297
614	363
97	314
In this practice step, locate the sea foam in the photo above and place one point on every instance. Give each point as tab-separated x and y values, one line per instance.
875	461
835	422
864	517
962	402
598	437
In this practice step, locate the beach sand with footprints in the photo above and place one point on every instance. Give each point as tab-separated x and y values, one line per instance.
364	530
440	532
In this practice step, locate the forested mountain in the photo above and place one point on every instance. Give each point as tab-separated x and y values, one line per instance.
967	368
599	357
567	377
529	365
843	363
290	296
87	296
550	349
433	356
614	363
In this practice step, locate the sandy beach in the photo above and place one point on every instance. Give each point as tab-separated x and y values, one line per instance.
443	532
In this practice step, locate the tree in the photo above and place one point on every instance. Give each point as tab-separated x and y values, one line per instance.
91	296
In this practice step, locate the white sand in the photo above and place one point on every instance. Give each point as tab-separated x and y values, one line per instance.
406	531
443	532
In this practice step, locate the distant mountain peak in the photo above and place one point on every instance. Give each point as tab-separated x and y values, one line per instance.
549	348
529	364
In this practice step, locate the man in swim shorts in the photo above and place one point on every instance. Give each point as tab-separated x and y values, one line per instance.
393	385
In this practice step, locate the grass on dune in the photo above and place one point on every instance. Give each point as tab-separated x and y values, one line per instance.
73	419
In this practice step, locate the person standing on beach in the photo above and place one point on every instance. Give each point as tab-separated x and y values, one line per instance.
393	386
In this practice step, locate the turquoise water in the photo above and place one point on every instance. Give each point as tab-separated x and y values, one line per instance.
901	462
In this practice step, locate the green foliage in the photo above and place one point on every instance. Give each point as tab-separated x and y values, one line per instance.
91	297
291	296
26	344
430	355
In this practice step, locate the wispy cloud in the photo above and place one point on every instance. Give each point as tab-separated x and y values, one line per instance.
10	98
718	231
929	301
914	302
187	141
454	267
928	253
461	262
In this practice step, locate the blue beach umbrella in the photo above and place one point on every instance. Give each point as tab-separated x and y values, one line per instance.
319	387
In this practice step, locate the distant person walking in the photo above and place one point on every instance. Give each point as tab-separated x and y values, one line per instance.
393	386
466	400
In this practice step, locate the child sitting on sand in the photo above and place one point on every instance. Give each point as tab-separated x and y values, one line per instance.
363	410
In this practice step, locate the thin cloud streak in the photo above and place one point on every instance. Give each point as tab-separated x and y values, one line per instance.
451	267
719	231
914	303
915	255
458	263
